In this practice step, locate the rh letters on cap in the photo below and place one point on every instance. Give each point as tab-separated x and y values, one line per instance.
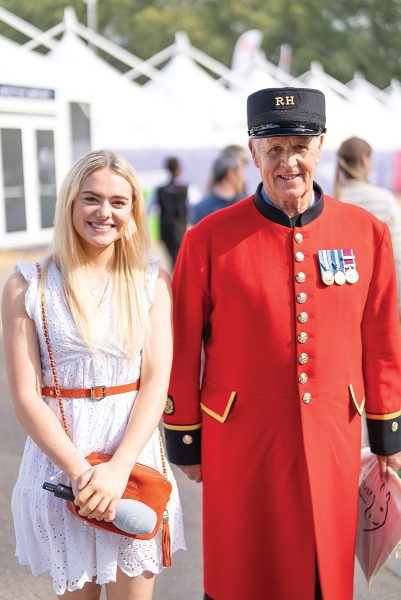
282	101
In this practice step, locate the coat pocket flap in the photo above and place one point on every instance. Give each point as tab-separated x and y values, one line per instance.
217	402
359	407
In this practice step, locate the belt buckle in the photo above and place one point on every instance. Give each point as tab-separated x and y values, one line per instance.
98	387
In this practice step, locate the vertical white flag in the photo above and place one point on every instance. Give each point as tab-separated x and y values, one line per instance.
285	57
248	44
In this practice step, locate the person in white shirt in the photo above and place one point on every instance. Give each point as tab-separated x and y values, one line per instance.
354	163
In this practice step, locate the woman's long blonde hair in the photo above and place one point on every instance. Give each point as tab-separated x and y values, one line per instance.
131	323
349	162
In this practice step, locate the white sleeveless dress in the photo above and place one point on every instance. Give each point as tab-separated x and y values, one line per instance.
48	536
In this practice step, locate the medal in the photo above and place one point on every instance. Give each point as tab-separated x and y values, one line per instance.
328	277
351	275
339	276
325	267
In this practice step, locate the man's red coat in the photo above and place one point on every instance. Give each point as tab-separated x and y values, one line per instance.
281	440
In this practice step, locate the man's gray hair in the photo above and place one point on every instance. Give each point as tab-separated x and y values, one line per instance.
222	165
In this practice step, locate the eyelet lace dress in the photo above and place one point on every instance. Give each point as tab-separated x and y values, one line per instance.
48	536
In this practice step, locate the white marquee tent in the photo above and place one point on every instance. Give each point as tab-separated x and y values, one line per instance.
55	106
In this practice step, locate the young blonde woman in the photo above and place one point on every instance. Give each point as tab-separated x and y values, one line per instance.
109	321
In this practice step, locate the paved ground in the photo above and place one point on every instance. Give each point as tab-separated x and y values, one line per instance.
182	582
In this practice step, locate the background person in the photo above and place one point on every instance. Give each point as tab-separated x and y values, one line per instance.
354	163
241	154
293	296
227	185
108	311
173	203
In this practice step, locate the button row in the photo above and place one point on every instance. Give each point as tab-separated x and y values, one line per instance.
302	317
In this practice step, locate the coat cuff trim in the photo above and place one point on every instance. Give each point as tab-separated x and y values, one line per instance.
386	417
182	427
385	433
184	446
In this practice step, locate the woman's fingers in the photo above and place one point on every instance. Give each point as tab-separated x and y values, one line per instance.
101	509
88	508
79	485
110	513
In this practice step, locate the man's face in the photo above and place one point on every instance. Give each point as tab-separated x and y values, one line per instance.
287	166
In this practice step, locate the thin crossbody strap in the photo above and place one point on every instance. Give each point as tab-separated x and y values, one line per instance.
162	455
54	372
49	349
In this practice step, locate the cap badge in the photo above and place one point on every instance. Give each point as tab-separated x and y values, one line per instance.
284	101
169	409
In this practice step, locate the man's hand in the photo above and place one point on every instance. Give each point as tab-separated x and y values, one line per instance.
192	472
393	461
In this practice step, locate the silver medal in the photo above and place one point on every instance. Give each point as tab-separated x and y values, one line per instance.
351	275
328	277
339	278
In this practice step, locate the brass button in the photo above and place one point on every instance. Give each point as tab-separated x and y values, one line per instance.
187	439
299	256
299	238
302	298
302	337
303	378
300	277
303	317
307	398
303	358
394	426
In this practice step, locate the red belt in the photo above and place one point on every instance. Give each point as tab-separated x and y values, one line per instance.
98	392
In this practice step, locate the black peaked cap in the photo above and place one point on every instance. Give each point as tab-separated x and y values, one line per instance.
286	111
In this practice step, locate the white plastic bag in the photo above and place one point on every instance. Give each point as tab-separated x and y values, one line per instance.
379	516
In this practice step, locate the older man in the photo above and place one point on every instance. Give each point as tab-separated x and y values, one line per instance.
293	295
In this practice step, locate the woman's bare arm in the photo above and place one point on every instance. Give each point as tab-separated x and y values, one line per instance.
22	363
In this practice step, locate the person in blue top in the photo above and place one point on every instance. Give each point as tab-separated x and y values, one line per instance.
227	187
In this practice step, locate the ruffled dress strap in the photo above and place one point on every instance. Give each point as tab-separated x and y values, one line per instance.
151	276
29	272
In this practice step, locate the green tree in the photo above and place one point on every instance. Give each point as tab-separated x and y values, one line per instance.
344	35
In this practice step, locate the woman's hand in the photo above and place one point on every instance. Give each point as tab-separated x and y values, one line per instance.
98	490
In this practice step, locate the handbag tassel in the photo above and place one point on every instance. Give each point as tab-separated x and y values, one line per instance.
166	543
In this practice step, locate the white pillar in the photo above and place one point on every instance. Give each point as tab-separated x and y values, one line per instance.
2	200
31	180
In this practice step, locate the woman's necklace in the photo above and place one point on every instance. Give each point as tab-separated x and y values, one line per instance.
97	289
